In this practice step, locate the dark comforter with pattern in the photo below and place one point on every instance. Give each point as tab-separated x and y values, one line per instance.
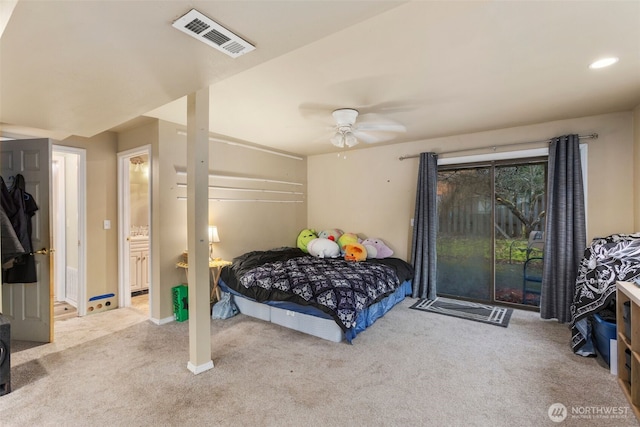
605	261
339	288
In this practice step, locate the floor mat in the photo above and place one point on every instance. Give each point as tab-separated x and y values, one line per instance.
490	314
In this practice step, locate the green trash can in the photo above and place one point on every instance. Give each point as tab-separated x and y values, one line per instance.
180	302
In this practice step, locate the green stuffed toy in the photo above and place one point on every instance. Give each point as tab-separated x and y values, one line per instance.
304	238
347	238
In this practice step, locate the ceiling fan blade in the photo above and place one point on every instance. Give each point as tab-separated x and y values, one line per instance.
313	110
350	125
366	138
381	127
377	122
389	107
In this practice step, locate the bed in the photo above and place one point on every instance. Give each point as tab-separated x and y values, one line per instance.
329	298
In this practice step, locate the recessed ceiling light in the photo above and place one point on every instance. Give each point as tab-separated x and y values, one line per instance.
604	62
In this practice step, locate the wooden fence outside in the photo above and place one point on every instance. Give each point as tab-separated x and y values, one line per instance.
472	217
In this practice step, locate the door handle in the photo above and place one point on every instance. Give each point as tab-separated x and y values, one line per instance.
42	251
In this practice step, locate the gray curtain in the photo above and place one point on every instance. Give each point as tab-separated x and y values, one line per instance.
565	239
425	220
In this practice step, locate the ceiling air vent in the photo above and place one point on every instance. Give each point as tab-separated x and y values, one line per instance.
210	32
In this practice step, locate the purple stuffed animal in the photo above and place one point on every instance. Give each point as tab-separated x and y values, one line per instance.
376	248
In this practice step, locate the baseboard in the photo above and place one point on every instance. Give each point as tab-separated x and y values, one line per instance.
162	321
200	369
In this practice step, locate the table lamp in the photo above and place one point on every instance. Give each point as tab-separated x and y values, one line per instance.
213	238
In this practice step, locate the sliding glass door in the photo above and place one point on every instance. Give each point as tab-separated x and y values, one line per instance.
465	235
486	214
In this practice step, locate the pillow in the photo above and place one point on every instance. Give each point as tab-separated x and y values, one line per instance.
323	248
347	238
331	234
304	237
376	248
355	252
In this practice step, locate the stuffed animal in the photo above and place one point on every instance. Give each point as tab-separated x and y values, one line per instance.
304	238
347	238
355	252
323	248
376	248
331	234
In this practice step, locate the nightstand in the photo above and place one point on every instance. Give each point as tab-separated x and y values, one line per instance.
215	268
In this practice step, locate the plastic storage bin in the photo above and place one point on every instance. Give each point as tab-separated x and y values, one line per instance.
253	309
603	332
322	328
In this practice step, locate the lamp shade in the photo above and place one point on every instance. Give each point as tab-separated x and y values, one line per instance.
350	139
213	234
338	139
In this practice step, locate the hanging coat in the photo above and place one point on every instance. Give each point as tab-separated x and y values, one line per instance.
22	208
11	245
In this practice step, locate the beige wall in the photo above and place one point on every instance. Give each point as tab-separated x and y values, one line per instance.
372	193
636	156
246	225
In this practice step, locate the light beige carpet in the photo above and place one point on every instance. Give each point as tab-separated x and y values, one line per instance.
410	369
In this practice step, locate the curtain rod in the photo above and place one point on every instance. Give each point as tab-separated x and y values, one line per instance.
493	147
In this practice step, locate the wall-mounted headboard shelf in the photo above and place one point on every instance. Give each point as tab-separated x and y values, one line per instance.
247	146
268	186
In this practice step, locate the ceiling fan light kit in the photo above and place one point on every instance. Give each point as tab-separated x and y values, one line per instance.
345	118
344	137
350	139
346	130
337	140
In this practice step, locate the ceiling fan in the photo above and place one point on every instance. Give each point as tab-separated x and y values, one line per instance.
348	133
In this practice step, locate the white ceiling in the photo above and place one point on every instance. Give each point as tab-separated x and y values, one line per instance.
438	68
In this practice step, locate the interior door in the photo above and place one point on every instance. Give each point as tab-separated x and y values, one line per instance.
30	305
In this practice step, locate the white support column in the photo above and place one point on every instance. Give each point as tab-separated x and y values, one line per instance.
197	231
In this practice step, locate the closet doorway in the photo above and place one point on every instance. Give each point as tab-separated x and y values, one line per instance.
134	236
68	219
